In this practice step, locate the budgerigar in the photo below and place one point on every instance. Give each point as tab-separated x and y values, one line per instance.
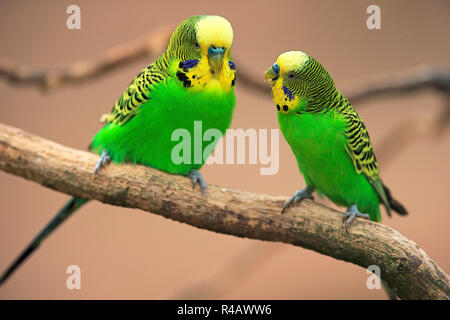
192	81
328	138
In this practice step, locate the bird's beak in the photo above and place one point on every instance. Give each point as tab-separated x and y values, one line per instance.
271	74
215	57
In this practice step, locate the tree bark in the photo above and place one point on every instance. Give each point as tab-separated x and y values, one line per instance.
405	267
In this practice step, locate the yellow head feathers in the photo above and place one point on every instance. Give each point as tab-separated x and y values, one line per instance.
200	49
291	60
214	31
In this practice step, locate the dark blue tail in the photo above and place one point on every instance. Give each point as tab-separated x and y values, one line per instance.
70	207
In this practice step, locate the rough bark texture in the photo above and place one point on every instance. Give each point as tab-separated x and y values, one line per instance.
404	266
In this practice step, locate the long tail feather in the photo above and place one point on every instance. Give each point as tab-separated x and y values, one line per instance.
70	207
395	205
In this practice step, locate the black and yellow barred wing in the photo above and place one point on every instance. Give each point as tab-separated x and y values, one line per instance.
137	93
359	146
360	150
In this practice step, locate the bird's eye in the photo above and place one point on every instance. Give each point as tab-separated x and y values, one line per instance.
197	46
291	75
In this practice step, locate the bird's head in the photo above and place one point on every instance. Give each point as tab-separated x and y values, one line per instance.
287	66
297	77
206	36
214	38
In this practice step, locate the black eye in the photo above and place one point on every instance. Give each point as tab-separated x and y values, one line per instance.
197	46
291	75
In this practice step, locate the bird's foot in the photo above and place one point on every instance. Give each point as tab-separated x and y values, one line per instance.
351	214
196	177
101	163
305	193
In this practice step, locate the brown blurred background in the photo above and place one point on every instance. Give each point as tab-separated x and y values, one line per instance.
126	253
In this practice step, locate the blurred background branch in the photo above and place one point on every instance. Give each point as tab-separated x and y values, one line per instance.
418	78
119	56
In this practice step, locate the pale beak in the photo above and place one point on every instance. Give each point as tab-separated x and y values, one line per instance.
272	73
215	57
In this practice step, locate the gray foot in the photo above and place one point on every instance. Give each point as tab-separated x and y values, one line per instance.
102	162
196	177
351	213
305	193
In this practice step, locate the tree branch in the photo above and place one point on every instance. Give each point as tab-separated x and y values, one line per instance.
415	79
418	78
118	56
404	266
421	77
233	273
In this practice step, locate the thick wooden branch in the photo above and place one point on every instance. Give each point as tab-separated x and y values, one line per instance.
233	273
404	266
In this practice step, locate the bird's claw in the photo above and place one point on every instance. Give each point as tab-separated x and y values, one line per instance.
196	177
350	215
304	193
102	162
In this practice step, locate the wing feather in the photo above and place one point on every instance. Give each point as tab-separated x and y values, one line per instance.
360	150
138	92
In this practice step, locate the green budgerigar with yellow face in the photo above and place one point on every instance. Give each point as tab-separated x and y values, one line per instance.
192	82
328	138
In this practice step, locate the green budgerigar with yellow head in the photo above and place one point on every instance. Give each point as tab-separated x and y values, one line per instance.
328	138
191	82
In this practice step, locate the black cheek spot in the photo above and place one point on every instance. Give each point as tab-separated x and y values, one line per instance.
285	108
193	76
181	65
181	76
233	82
187	83
278	107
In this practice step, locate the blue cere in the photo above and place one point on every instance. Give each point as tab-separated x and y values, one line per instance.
276	68
213	50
